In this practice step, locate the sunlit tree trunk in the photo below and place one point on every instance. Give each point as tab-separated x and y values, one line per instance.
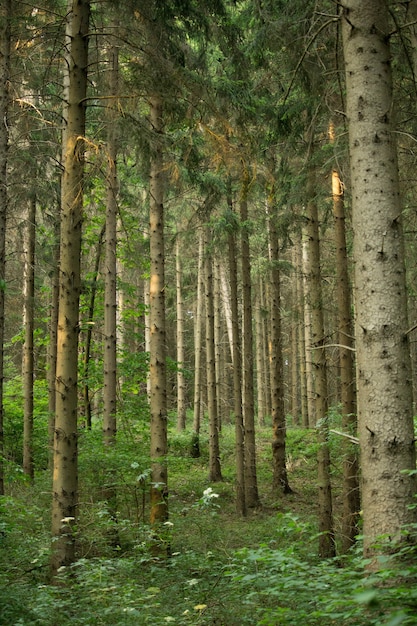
251	481
158	383
385	418
28	326
181	395
214	448
65	479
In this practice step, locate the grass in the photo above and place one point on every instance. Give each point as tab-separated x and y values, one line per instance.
225	570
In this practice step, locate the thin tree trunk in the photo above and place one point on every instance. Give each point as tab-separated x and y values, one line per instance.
351	497
52	347
237	379
214	448
385	417
65	480
198	345
158	383
251	481
310	417
109	493
301	328
318	357
87	409
5	19
181	395
295	340
28	325
260	352
279	468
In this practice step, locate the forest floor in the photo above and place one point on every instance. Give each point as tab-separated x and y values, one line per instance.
223	569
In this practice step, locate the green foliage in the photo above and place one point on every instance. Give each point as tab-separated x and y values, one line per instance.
261	570
13	425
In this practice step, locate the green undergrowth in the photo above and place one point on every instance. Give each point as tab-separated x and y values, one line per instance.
222	570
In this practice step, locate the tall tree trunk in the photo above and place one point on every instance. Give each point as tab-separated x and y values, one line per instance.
214	447
351	497
310	416
198	344
28	325
110	267
385	418
158	383
295	341
299	278
318	359
237	379
87	409
65	480
109	493
5	19
251	481
279	468
261	376
52	347
181	395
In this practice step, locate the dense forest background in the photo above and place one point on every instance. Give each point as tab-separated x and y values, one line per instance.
207	333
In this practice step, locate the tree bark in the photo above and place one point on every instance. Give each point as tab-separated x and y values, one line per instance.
5	19
279	467
251	481
237	379
319	370
158	384
28	325
65	479
110	266
385	418
198	345
215	473
181	395
351	497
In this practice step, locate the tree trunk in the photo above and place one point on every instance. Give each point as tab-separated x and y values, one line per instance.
181	396
237	379
261	376
385	418
198	345
319	371
28	325
110	267
87	409
351	497
214	449
251	482
5	18
310	416
65	480
109	492
158	384
279	468
52	347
